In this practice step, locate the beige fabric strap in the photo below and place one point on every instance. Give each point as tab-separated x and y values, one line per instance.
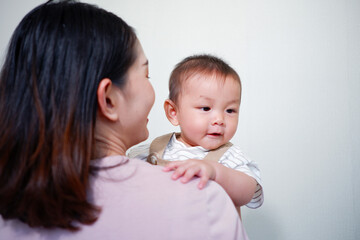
157	148
216	154
158	145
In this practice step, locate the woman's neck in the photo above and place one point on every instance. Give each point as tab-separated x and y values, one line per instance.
108	142
106	147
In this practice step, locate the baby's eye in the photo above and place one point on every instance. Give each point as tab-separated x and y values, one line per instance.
230	110
205	109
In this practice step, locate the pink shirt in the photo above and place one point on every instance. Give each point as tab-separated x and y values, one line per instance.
140	201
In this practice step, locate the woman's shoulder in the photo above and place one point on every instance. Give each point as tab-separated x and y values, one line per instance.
140	201
154	196
119	172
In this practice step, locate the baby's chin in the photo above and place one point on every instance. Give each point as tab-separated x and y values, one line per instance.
211	146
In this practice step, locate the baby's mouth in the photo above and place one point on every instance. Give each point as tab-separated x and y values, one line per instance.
215	134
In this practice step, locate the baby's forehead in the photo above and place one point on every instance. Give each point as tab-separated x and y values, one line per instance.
205	84
199	78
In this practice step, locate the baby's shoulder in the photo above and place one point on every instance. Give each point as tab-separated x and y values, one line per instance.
235	150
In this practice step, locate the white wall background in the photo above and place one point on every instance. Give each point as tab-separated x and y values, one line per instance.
299	62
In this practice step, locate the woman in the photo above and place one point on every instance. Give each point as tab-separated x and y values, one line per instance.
73	88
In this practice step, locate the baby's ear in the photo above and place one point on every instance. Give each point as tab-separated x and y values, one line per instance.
171	112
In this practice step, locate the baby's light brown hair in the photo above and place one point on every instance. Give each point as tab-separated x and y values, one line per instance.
204	64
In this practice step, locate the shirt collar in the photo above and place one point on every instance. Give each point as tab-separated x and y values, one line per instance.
174	143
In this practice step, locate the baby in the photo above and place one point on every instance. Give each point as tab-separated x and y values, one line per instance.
204	100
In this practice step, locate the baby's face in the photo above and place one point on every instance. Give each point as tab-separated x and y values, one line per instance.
208	110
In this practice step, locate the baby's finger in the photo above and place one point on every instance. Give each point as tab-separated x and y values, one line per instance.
189	174
172	166
179	171
203	180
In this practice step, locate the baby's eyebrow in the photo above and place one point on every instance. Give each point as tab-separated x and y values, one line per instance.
207	98
235	101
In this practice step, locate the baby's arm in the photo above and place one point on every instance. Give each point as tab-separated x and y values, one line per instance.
238	185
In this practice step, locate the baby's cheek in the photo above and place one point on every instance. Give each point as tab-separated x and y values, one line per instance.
231	131
194	128
198	126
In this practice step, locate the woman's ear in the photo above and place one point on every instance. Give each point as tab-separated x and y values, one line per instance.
107	100
171	112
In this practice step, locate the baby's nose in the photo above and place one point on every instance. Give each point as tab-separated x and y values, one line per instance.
218	119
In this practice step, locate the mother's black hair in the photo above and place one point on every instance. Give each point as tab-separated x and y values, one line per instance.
56	58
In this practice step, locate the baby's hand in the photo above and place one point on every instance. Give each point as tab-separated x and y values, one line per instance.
190	168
